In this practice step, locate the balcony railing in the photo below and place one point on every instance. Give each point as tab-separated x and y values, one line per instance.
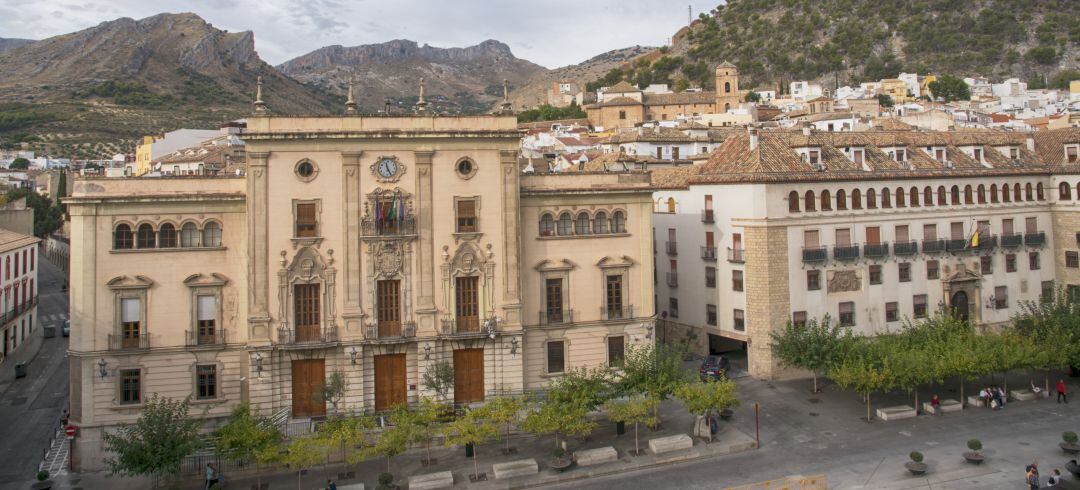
120	342
933	246
845	252
673	279
987	243
956	245
17	310
672	247
215	339
610	313
398	332
393	227
708	253
1012	240
707	216
814	254
1036	239
875	250
306	335
460	326
905	249
556	317
735	255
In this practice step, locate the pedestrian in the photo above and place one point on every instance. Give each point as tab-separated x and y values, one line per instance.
1062	395
1032	476
935	405
984	394
211	475
1054	479
330	484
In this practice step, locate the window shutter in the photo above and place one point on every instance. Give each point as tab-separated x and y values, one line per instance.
129	310
207	306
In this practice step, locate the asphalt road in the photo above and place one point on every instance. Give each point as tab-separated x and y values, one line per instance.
30	407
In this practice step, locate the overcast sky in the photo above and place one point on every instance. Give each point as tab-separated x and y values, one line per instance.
549	32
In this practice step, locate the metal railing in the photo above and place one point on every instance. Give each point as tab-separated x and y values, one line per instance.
1036	239
671	247
707	216
906	248
405	331
465	325
216	339
736	255
1012	240
372	227
17	310
610	313
956	245
845	252
814	254
287	335
876	250
987	243
708	253
120	342
933	246
673	279
556	317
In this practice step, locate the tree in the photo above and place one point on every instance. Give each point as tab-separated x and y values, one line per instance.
752	96
47	216
302	453
394	439
1043	55
474	428
347	434
421	423
950	89
156	443
19	163
682	84
248	436
815	346
332	390
506	411
563	412
863	375
636	410
652	370
707	397
885	100
439	378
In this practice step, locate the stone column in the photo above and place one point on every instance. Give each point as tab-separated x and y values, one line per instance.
258	246
353	313
511	196
768	294
425	252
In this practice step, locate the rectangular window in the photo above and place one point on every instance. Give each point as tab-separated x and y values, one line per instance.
875	274
659	153
857	156
466	215
613	293
813	280
710	277
622	114
843	237
130	386
986	265
710	314
616	350
811	239
902	233
1072	260
130	320
873	235
467	304
206	382
1047	293
1071	153
933	269
904	270
1010	262
919	301
740	320
306	310
673	307
1031	225
847	314
977	154
306	220
1001	297
798	318
1007	226
206	306
929	232
956	230
892	311
555	357
554	296
736	280
1033	261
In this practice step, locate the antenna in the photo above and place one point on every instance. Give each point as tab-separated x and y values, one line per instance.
689	14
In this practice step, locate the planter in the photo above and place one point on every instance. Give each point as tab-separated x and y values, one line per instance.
1073	468
560	464
726	414
974	458
469	450
1070	448
620	428
917	469
42	485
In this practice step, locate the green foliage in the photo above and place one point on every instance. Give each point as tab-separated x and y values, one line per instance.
156	443
882	66
395	438
885	100
1062	79
636	410
439	378
1043	55
1053	326
752	96
550	113
653	371
682	84
349	434
127	93
42	475
303	453
247	435
974	445
613	76
332	390
474	428
563	412
950	88
507	411
386	479
47	215
1069	437
916	456
815	346
704	397
19	163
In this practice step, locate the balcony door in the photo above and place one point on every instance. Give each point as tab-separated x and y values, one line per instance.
554	294
468	304
308	378
873	235
388	307
468	375
306	309
390	382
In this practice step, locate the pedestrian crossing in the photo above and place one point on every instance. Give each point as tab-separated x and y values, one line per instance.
56	460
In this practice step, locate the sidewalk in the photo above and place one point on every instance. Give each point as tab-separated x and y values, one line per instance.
26	352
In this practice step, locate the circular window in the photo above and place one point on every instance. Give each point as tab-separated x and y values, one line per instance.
306	170
465	168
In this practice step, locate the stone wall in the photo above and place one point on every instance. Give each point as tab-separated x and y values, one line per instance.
767	295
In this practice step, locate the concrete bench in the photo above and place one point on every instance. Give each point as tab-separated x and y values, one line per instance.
976	401
947	406
430	481
591	457
898	412
1021	395
521	467
351	486
661	445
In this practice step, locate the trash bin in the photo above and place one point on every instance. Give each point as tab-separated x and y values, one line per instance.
20	370
49	331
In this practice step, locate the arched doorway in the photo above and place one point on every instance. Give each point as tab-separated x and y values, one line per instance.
959	305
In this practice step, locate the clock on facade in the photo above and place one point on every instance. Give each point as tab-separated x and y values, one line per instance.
387	169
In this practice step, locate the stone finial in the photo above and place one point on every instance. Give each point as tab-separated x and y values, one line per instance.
350	104
505	106
260	106
421	104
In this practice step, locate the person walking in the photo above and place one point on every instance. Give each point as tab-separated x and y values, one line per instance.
1054	479
211	475
1062	395
330	485
935	405
1032	476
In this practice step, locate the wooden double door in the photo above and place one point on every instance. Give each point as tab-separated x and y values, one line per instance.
308	379
391	384
388	307
468	375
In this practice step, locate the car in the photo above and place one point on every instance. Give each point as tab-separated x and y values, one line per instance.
714	367
66	329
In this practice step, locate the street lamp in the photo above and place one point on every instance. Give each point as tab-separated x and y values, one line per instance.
513	346
258	364
427	351
352	355
101	368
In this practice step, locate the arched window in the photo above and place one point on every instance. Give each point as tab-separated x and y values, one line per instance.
727	107
1078	191
928	196
1064	191
982	194
566	224
941	200
189	235
793	202
144	237
826	200
547	225
871	199
1016	193
968	195
671	204
581	226
1040	192
808	201
727	87
841	200
993	193
856	199
913	197
1006	196
1028	195
211	235
122	238
955	194
900	201
886	198
618	222
600	224
167	236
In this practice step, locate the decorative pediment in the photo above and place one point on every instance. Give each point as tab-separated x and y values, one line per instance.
206	280
552	265
129	282
468	258
307	265
617	262
962	274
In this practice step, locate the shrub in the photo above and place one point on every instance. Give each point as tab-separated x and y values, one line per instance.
916	456
559	452
386	479
42	475
974	445
1069	437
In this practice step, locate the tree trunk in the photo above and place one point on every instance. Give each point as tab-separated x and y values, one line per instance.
868	406
508	438
475	466
916	401
1005	384
962	399
637	449
299	485
388	464
815	382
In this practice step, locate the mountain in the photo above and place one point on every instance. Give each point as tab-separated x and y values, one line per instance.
465	80
7	44
534	93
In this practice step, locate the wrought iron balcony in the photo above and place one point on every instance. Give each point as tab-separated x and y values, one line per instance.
1036	239
1012	240
933	246
394	331
672	247
987	243
388	227
307	335
845	252
18	310
612	313
905	249
956	245
556	317
204	339
814	254
735	255
460	326
707	216
121	342
708	253
875	250
673	279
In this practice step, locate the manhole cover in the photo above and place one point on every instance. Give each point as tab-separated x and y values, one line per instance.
1025	443
829	433
18	401
813	414
814	400
771	387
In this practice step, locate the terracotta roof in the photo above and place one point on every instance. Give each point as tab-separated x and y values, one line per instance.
825	116
1049	145
725	64
654	134
621	87
209	154
891	124
10	240
673	177
617	101
680	98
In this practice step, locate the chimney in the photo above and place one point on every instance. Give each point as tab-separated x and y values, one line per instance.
1030	142
806	130
753	137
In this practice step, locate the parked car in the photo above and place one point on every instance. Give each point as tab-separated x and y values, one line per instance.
66	329
714	367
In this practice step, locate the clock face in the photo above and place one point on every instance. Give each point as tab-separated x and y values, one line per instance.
387	167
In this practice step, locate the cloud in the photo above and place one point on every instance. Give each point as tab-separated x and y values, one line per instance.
553	33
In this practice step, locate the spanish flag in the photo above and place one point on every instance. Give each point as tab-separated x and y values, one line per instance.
975	239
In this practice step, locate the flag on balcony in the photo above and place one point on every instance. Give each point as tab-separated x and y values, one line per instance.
401	209
391	211
975	239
